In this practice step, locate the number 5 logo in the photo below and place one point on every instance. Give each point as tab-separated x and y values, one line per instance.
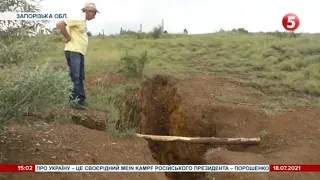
290	22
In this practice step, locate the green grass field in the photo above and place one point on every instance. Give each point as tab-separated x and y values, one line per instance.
284	67
263	61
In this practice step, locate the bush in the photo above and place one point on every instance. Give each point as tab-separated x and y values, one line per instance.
156	33
240	30
133	66
55	35
18	40
21	50
34	92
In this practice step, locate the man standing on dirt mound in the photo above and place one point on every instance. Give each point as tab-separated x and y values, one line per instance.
76	42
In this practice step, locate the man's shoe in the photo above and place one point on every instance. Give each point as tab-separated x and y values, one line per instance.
78	106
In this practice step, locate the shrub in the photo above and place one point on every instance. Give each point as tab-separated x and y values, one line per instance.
55	36
156	33
21	50
240	30
34	92
17	38
133	66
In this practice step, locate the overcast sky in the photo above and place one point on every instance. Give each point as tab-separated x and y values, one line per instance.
198	16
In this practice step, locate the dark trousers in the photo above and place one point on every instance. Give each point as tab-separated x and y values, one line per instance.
75	63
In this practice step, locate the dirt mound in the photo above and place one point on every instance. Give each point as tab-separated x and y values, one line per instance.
91	119
294	129
293	139
71	144
107	78
189	108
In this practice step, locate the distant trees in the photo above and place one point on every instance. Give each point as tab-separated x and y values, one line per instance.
241	30
185	31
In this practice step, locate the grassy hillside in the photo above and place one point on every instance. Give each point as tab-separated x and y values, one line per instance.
264	61
261	60
284	66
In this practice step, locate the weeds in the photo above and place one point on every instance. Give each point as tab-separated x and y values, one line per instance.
122	106
264	136
28	91
19	51
34	92
133	66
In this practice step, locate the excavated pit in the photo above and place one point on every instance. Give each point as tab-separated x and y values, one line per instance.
188	108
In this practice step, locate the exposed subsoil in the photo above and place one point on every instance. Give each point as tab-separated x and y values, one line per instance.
170	107
45	141
190	108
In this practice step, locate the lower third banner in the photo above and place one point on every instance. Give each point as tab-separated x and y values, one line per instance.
159	168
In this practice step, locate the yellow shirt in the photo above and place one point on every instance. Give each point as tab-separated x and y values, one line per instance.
79	38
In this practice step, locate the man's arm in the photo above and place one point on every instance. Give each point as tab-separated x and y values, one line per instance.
62	26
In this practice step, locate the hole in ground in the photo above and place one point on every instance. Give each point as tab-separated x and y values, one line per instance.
184	108
188	108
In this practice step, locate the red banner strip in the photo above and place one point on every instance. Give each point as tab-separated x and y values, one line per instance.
294	168
17	168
